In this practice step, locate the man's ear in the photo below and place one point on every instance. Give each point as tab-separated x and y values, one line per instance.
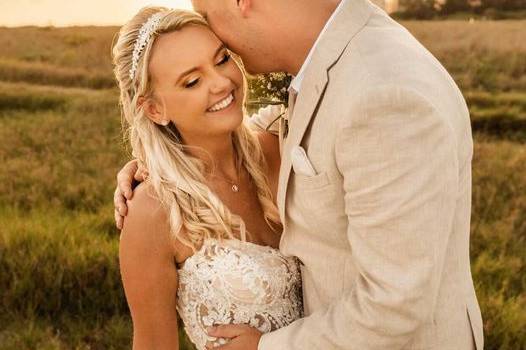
152	109
244	6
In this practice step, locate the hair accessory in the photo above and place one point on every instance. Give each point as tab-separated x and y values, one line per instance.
145	34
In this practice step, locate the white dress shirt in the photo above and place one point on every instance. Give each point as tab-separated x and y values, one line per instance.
298	79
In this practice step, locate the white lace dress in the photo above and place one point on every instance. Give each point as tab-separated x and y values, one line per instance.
235	282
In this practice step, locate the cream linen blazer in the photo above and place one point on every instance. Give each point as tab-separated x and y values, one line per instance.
382	229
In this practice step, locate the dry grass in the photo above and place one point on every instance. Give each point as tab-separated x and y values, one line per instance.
497	37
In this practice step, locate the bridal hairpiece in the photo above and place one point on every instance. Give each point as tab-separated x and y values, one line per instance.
145	34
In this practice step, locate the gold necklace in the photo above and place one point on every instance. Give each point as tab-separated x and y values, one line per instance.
234	187
233	184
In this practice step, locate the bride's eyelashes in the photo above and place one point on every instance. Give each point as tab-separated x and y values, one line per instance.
191	84
226	57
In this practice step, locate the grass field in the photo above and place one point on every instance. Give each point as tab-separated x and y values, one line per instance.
61	148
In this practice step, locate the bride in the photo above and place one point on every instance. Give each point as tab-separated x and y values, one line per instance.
201	234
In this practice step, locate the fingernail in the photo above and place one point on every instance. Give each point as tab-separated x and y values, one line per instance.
210	329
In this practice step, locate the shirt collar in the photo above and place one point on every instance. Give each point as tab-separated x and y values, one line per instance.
298	79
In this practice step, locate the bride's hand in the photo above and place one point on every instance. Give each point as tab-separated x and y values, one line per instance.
241	337
125	179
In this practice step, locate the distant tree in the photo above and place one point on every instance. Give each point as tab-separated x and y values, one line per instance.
427	9
418	9
504	5
452	6
268	88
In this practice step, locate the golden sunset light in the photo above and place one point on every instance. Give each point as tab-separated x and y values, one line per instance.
68	13
63	13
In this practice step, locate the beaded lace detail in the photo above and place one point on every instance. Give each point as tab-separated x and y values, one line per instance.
235	282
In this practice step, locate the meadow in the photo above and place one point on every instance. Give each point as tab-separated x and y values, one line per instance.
62	146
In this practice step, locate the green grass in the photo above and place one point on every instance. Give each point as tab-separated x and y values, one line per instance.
61	148
498	241
498	115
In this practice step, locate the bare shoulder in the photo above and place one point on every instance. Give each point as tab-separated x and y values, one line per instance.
146	224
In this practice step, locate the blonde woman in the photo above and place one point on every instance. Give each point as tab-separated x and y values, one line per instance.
202	232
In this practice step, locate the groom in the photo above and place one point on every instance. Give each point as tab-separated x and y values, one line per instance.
375	184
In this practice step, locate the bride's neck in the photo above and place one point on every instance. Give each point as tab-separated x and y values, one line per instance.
218	155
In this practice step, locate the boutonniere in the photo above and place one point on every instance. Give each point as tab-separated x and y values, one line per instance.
282	115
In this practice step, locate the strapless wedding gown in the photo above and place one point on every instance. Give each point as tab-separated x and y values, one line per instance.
235	282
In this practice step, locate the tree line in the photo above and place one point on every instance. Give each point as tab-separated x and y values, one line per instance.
492	9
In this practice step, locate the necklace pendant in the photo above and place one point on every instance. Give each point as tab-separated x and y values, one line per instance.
235	188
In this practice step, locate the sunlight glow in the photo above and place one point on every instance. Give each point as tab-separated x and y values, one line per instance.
67	12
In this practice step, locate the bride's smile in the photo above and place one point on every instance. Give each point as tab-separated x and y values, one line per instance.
223	105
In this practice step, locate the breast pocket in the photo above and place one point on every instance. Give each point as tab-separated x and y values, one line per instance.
318	199
312	183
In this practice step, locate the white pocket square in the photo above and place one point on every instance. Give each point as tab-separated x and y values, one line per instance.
300	162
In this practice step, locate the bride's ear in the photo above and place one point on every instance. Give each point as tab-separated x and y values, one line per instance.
152	109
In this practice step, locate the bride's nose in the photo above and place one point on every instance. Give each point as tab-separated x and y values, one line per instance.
219	83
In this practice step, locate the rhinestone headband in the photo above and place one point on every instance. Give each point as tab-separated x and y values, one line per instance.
145	34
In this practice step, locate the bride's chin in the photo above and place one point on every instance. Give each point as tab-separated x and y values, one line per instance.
229	123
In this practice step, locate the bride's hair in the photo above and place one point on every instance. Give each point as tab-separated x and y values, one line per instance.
177	177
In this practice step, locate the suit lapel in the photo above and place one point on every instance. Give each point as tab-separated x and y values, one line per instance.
345	25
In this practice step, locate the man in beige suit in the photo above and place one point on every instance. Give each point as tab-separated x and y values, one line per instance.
375	183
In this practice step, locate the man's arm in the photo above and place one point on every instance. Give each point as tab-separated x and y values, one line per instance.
398	158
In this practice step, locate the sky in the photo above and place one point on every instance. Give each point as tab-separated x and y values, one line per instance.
75	12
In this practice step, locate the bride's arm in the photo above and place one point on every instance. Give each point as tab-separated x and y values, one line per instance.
148	273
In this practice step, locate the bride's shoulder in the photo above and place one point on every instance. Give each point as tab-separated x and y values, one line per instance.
146	222
144	204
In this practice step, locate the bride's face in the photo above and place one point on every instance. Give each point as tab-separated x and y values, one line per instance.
200	84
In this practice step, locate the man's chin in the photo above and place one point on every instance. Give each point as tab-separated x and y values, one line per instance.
255	69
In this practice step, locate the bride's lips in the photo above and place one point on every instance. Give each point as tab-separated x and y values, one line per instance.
228	107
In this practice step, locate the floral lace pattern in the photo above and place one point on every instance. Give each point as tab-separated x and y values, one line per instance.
235	282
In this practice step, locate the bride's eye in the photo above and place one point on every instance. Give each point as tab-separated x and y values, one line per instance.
224	60
191	83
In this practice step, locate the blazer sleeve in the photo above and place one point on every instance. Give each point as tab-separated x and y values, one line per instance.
266	119
397	156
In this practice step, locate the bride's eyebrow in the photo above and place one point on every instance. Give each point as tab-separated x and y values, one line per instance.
191	70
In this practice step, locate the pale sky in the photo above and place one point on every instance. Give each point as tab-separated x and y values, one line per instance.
76	12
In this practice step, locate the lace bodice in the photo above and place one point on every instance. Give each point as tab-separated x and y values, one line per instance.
235	282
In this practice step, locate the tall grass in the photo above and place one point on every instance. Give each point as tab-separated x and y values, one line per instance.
498	240
483	55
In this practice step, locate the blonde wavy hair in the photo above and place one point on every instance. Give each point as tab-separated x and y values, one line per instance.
177	177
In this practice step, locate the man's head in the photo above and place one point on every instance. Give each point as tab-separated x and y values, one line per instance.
269	35
248	28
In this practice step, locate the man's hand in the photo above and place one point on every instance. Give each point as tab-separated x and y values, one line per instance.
124	191
242	337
